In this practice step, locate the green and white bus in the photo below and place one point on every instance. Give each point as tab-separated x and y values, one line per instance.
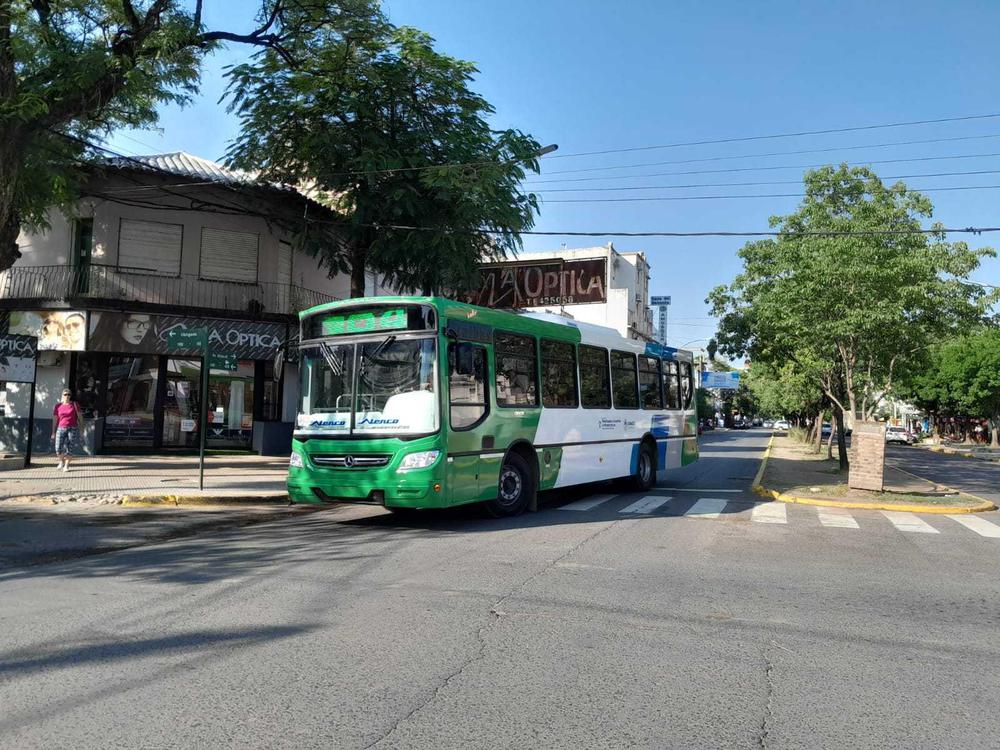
423	402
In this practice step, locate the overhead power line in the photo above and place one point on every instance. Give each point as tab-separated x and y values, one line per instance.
774	136
797	152
749	184
730	170
713	233
741	197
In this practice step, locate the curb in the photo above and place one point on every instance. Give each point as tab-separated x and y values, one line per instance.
150	501
781	497
963	454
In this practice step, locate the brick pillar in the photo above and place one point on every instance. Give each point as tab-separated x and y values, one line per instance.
867	456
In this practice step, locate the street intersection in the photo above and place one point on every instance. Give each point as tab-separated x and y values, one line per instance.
689	616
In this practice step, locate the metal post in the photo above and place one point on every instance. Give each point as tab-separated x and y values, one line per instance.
203	427
31	423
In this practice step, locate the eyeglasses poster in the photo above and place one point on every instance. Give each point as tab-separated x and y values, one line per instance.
56	330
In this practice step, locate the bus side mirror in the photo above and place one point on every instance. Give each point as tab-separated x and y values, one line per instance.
451	334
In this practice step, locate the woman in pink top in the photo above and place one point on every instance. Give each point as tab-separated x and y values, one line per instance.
66	423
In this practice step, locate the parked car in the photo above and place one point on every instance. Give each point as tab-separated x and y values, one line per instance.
758	422
782	424
769	424
901	435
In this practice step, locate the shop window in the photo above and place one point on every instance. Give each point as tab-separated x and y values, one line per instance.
131	402
271	404
516	370
595	378
623	380
230	406
88	384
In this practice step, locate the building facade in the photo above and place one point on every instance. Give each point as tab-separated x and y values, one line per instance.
627	288
158	244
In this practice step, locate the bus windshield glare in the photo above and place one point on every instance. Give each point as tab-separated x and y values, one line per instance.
380	387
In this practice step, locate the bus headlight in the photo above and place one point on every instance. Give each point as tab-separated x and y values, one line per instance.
295	460
420	460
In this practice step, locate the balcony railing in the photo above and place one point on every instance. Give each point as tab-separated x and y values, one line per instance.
106	283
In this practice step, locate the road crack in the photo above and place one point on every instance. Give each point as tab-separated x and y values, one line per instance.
495	614
764	732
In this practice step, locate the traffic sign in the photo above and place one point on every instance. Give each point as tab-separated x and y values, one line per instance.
188	339
222	362
720	379
657	301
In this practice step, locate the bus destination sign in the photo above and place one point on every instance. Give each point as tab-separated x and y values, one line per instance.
545	282
365	321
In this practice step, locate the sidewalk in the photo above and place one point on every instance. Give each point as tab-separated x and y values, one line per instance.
791	472
107	479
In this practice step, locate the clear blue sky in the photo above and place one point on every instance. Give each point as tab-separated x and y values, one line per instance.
594	75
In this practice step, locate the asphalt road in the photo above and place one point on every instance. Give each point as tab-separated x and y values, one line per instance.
702	622
981	478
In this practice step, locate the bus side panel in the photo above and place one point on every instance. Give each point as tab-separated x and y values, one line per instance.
593	463
549	464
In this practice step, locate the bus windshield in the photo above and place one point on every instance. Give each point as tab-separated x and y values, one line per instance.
378	387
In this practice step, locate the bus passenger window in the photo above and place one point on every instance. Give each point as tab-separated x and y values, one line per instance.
649	383
558	375
516	370
623	380
671	386
595	378
466	384
687	389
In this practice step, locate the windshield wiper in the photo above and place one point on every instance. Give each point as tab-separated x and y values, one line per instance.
383	345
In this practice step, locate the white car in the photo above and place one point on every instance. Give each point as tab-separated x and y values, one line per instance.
900	435
782	424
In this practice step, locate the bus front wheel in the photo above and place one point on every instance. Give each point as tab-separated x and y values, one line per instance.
513	489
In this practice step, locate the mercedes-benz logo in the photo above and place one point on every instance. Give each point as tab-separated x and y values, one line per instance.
349	461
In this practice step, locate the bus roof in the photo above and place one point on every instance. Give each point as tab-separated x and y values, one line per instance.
589	333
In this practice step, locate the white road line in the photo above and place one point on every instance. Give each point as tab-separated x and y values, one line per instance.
836	517
980	525
695	489
646	505
909	522
769	513
588	503
707	507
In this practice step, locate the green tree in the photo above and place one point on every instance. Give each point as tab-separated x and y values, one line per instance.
75	70
855	311
376	119
964	378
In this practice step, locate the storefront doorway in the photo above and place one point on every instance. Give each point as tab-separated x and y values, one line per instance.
181	403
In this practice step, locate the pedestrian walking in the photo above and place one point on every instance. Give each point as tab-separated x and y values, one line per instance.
66	422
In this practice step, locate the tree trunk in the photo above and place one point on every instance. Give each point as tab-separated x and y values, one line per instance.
10	219
816	437
357	273
829	443
838	415
995	423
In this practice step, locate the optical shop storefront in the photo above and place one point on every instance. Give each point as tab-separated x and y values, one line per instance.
139	396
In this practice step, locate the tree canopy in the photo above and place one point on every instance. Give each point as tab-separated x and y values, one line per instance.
388	132
851	291
75	70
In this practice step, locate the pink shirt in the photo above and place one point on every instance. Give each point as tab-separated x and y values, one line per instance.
65	414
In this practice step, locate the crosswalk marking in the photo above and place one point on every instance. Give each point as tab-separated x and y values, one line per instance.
707	507
588	503
836	517
646	505
769	513
980	525
909	522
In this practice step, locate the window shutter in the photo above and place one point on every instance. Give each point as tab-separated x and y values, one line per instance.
150	247
284	263
228	256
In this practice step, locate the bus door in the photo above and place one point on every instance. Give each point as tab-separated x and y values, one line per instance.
468	402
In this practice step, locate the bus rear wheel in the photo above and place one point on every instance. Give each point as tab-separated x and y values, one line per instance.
645	469
514	488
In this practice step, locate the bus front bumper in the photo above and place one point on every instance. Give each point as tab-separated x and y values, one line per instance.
420	488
